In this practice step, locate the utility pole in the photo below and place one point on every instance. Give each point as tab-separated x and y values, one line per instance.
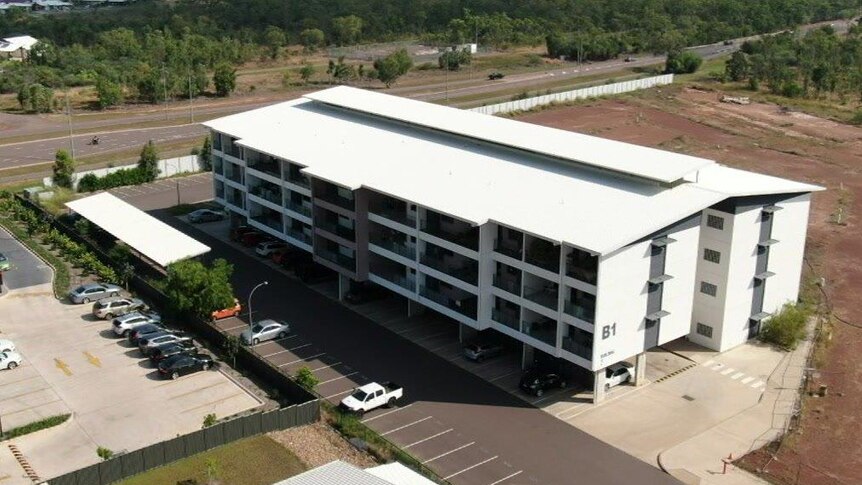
165	85
69	119
191	103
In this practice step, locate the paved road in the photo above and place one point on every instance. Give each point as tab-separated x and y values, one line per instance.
27	270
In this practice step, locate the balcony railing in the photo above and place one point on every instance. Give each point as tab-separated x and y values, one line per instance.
398	215
267	192
296	177
337	199
299	235
510	248
506	317
299	207
468	272
577	348
235	174
218	164
468	239
544	330
235	200
337	229
400	280
512	285
549	263
273	222
266	165
581	312
405	249
341	260
232	150
465	306
587	275
545	296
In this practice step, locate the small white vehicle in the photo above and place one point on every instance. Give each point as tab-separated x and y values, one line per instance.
617	374
10	360
266	248
124	324
372	396
6	345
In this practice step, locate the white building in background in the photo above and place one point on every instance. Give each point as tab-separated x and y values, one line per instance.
584	251
17	47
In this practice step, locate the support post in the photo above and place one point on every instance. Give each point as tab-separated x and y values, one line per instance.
640	369
414	308
527	357
343	286
599	390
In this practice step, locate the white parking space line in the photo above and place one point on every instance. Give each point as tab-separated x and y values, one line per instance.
435	349
387	413
325	367
718	365
502	376
234	327
428	438
276	340
299	347
737	375
708	363
449	452
508	477
426	418
433	335
337	378
339	394
758	384
747	380
300	360
471	467
727	371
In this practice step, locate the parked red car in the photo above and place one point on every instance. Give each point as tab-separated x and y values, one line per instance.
252	238
238	232
228	312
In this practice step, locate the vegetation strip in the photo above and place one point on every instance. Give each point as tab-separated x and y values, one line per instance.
44	423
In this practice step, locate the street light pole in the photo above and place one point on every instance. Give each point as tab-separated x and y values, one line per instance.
69	119
250	314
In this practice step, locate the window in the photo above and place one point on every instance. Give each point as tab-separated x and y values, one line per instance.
712	255
715	222
708	288
704	330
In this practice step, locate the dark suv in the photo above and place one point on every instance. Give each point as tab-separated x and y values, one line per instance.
536	382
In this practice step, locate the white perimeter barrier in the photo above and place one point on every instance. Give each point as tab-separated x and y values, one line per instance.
167	168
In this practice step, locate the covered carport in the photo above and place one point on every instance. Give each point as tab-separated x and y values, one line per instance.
143	233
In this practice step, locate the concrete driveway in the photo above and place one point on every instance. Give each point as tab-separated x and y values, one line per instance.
27	270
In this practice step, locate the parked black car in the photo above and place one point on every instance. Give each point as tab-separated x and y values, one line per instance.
162	352
180	365
310	273
365	292
144	330
536	382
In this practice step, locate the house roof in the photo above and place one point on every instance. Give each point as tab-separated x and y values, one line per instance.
12	44
341	473
592	207
141	231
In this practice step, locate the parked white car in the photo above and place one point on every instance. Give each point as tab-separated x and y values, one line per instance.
10	360
130	321
6	345
372	396
266	248
617	374
108	308
264	330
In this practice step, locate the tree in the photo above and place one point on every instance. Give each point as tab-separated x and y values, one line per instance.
306	72
148	163
454	59
193	288
347	30
737	67
224	79
305	378
274	39
311	39
285	79
206	154
209	420
393	66
232	345
104	453
685	62
64	169
109	92
340	71
36	98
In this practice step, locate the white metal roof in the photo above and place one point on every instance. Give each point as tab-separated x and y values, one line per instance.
13	44
141	231
398	474
335	473
607	154
595	210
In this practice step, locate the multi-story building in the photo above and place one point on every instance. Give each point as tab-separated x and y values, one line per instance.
583	250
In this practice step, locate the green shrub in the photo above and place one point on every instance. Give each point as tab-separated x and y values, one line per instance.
305	378
127	176
104	453
44	423
787	327
857	118
209	420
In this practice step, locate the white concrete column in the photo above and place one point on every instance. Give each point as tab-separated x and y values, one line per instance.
599	386
343	286
466	333
640	369
414	308
527	357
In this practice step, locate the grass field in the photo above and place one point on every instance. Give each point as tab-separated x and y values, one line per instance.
253	461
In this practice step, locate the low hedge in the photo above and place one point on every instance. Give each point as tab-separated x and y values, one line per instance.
126	176
44	423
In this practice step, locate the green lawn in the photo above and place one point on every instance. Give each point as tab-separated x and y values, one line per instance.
254	461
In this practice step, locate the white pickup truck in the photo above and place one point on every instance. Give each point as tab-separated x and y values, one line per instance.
372	396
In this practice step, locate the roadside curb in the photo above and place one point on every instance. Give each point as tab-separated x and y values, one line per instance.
39	257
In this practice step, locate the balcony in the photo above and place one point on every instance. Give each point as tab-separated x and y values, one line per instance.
392	209
582	266
333	194
301	234
234	172
463	304
301	205
219	189
336	257
263	163
334	227
544	330
266	191
543	254
271	219
296	177
218	164
447	262
216	140
235	198
408	284
545	295
508	283
509	242
402	248
578	342
581	305
230	147
452	230
507	317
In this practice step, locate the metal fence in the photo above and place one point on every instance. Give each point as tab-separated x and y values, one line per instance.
595	91
165	452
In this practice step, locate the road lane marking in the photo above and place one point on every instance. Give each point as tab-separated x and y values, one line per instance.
737	375
426	418
367	420
471	467
300	360
449	452
337	378
727	371
747	380
508	477
428	438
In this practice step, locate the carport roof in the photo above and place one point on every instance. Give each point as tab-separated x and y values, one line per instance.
141	231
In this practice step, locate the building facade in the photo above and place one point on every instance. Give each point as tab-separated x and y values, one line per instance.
585	251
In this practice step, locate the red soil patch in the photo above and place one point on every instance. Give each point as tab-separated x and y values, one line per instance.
827	448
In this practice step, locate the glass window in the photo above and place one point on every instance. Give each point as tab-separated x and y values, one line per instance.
715	222
708	288
712	255
704	330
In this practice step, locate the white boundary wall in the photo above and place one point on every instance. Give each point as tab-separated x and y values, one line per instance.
167	168
593	92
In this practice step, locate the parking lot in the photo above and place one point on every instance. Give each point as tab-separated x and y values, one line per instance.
73	363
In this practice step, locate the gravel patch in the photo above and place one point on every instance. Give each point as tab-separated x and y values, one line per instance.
317	444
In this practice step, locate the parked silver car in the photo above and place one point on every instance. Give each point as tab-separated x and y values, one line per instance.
6	345
479	351
108	308
146	345
124	324
93	292
264	330
205	215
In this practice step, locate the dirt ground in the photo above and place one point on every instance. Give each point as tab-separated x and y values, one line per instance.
826	448
318	444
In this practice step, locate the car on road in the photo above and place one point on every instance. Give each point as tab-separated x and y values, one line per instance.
264	330
238	232
5	264
496	75
10	360
144	331
266	248
372	396
204	215
629	59
108	308
93	292
311	272
6	345
148	344
479	351
365	292
125	324
228	312
162	352
617	374
536	382
180	365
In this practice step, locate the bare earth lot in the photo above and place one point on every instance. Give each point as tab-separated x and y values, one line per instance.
763	138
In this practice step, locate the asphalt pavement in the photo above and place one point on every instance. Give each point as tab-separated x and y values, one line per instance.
27	270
